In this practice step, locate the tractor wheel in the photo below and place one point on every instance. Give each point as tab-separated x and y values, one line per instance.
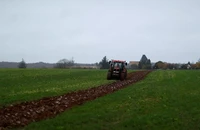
122	76
109	76
125	75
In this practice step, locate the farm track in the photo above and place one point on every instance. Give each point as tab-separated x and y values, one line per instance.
22	114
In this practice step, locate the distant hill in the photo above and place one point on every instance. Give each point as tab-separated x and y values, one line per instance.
42	65
29	65
9	65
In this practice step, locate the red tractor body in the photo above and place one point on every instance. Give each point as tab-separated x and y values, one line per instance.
117	70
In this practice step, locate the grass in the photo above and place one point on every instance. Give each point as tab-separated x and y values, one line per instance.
164	100
17	85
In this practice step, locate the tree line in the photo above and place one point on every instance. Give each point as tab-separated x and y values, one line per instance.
165	65
144	63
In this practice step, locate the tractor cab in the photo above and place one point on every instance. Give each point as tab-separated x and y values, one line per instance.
117	70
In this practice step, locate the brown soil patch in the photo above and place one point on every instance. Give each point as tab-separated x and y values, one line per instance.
22	114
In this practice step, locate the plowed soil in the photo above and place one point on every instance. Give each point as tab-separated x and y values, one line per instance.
19	115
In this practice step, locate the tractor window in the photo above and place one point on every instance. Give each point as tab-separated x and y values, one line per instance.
117	64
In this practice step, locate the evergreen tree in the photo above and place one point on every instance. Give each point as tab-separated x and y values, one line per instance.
104	63
22	64
144	63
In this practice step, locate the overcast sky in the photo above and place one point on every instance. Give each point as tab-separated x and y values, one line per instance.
87	30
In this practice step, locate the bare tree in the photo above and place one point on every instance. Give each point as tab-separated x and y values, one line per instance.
65	63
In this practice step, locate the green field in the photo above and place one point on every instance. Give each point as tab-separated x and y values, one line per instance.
18	85
166	99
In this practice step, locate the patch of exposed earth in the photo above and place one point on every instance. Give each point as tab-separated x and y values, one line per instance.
19	115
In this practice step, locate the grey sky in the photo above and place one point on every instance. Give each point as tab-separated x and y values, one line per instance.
49	30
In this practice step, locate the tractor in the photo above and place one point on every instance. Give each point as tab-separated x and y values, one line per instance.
117	70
